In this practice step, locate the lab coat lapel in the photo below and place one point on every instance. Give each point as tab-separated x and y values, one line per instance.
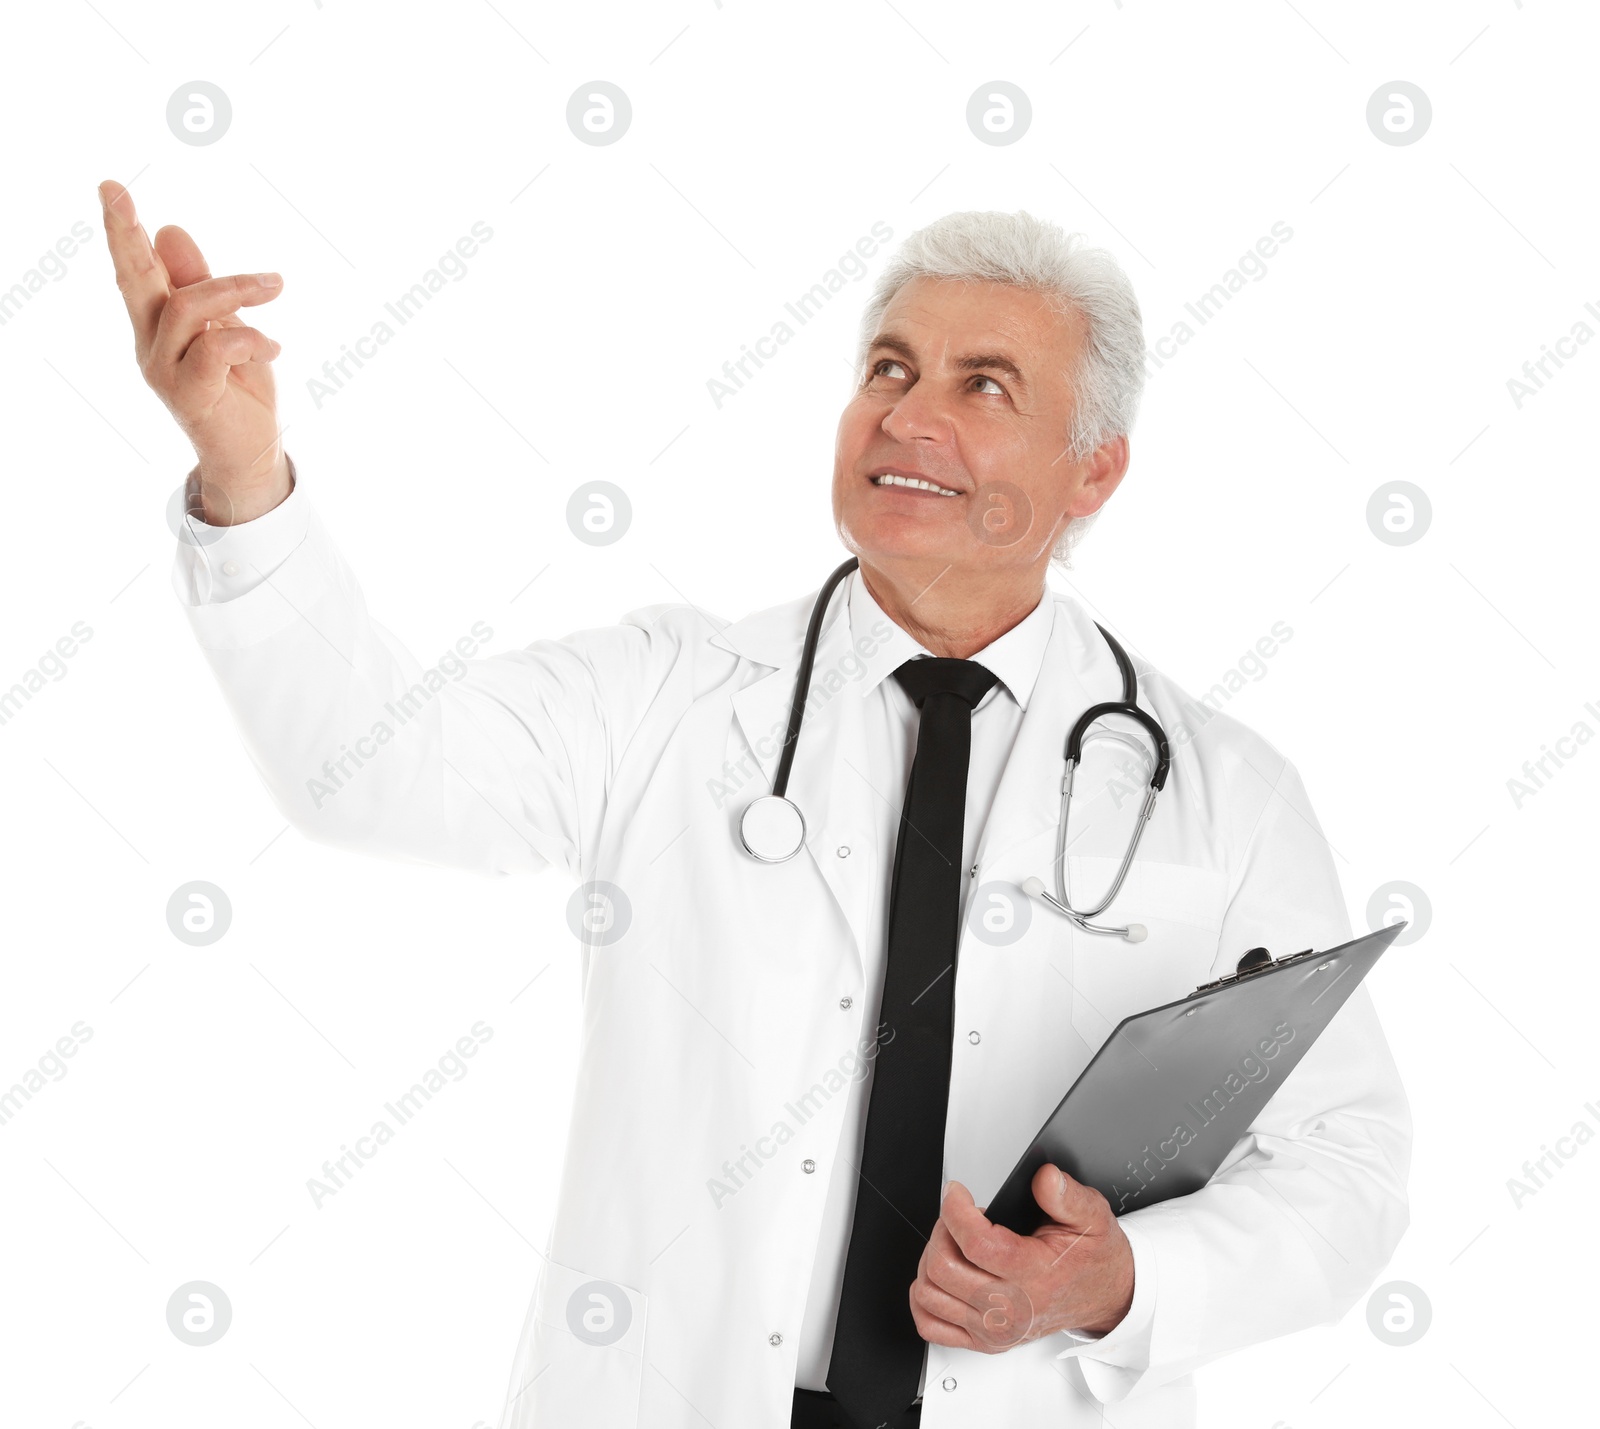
829	780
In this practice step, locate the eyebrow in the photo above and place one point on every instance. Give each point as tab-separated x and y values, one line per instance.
969	362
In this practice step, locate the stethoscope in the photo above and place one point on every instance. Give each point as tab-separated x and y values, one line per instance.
772	829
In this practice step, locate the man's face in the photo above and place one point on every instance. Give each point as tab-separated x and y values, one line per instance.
966	386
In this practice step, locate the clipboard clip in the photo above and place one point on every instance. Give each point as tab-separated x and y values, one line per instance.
1257	960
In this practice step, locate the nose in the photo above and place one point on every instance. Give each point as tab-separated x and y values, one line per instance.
920	415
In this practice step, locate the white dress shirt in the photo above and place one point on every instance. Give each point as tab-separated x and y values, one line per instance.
892	725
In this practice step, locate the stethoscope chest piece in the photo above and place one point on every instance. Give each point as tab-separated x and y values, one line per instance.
772	829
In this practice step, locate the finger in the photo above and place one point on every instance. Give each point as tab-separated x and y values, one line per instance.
940	1319
943	1265
215	353
988	1246
961	1283
189	310
184	261
1006	1316
938	1330
141	276
1068	1202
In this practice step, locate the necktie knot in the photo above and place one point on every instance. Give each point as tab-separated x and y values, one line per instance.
930	675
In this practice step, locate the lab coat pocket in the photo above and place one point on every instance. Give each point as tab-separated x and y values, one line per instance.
585	1356
1181	907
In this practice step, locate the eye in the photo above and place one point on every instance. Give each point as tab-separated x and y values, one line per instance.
998	389
882	362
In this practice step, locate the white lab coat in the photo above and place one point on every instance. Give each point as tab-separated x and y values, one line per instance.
727	1017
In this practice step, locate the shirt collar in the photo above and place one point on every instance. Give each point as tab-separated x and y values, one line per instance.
1015	657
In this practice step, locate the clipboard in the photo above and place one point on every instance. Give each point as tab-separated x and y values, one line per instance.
1171	1091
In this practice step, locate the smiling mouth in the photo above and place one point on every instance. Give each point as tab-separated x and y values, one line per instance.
914	483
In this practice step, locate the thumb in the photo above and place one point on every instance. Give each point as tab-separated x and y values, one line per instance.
1065	1201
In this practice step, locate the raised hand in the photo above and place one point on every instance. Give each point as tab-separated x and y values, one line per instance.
212	370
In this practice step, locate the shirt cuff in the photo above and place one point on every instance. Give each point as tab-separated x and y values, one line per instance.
215	564
1127	1343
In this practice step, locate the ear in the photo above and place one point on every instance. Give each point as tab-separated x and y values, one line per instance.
1103	471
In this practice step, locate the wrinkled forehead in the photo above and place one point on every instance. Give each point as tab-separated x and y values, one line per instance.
950	319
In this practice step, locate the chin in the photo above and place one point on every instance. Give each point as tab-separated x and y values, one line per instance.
882	539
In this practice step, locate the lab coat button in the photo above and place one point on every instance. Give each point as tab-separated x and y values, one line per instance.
774	1339
949	1382
847	1003
844	850
230	568
973	1038
808	1166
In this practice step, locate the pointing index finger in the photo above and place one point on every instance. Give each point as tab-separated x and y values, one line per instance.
141	277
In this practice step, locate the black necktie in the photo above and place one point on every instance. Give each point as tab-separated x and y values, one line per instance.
877	1352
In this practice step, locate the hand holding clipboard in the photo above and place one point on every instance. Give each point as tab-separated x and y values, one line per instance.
1171	1091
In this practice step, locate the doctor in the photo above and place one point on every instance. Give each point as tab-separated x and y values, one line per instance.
800	1080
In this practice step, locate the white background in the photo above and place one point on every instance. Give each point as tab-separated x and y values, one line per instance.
765	141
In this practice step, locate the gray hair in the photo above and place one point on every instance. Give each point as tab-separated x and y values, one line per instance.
1026	252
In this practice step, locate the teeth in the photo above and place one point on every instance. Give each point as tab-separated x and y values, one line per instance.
889	479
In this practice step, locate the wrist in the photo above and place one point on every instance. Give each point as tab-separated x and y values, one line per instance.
1119	1298
1108	1323
229	497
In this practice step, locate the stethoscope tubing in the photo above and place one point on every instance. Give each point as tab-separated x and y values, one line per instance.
1127	706
802	679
